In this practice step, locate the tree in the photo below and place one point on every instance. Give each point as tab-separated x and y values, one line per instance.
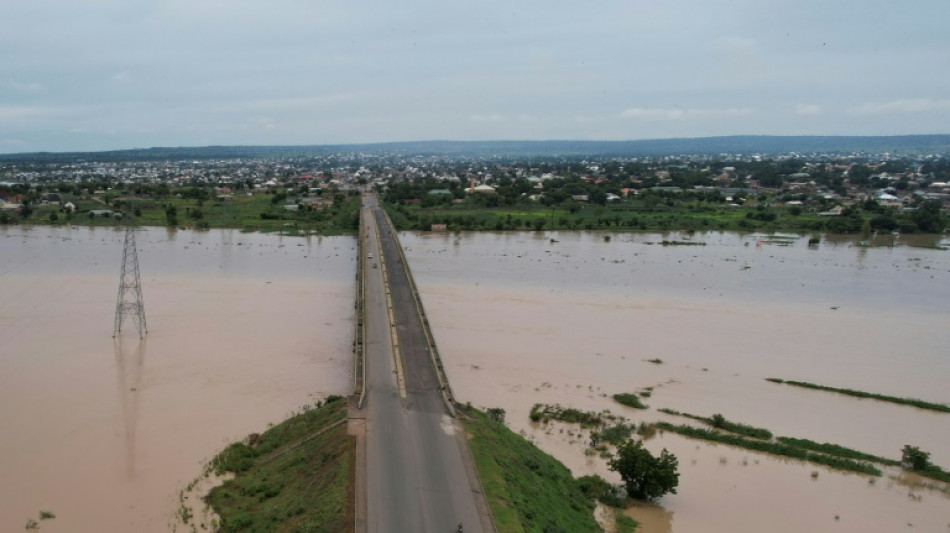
914	458
927	216
645	477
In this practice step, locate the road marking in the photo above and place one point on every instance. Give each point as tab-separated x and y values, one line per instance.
397	356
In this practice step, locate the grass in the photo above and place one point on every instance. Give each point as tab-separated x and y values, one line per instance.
630	400
837	451
544	413
913	402
719	422
624	523
774	448
633	215
296	477
527	489
249	213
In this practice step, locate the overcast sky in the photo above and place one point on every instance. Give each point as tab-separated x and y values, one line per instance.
111	74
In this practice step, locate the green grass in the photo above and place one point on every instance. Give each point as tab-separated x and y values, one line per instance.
249	213
774	448
541	412
630	400
527	489
913	402
633	215
837	451
296	477
719	422
625	524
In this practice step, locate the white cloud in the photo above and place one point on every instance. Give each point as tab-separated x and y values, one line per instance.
909	105
808	109
676	113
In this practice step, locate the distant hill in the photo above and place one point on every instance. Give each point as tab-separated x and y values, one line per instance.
742	144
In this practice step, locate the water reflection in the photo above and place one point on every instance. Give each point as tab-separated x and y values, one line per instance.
129	360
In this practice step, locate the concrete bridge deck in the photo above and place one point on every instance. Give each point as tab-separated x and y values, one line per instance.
419	475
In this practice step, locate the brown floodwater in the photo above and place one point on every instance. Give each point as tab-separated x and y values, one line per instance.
243	329
571	318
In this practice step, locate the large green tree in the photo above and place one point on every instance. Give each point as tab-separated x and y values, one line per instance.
644	476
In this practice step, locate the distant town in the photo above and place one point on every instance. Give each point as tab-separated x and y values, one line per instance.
831	192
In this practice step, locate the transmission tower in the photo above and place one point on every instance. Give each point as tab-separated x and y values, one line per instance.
129	301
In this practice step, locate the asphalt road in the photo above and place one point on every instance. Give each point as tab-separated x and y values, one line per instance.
419	472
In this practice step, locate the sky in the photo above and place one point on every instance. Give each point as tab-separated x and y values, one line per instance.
85	75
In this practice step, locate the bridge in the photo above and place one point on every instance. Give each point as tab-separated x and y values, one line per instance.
415	472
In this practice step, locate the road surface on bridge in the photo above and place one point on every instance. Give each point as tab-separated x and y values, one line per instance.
419	472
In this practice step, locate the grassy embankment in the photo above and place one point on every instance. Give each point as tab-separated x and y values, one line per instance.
913	402
297	476
248	213
527	489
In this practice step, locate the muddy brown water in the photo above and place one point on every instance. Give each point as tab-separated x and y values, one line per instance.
243	330
246	328
570	318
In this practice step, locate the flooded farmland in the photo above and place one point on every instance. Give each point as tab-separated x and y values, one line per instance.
243	329
573	318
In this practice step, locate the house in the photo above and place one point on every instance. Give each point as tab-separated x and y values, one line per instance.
833	212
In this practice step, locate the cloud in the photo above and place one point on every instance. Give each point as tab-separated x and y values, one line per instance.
676	113
26	87
12	112
808	109
909	105
737	48
487	118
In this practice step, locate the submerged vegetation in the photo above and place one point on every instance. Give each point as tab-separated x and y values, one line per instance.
917	460
913	402
775	448
296	476
719	422
630	400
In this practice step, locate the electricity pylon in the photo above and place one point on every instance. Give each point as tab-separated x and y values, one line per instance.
129	301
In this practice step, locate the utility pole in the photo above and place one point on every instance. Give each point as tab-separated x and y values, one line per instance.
129	301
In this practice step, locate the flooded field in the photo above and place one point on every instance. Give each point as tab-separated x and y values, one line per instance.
243	329
566	318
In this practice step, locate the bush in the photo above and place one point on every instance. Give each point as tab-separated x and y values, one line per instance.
597	488
630	400
915	459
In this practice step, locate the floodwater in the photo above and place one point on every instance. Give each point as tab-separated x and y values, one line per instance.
243	329
572	318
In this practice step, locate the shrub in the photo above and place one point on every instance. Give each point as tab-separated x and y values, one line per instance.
630	400
915	459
